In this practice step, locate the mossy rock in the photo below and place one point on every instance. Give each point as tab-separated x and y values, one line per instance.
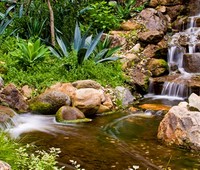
67	113
76	121
41	107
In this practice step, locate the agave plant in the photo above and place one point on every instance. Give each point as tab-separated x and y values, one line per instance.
4	19
32	52
86	47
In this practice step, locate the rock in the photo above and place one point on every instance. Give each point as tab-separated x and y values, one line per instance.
11	96
191	62
27	92
66	88
194	101
181	127
49	102
124	96
174	11
117	39
157	66
88	100
140	80
162	9
106	106
86	84
156	51
153	20
68	113
155	3
130	25
1	82
6	113
129	60
4	166
152	37
136	48
155	107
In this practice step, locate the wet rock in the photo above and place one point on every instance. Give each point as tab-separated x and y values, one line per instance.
4	166
191	62
11	96
88	100
68	113
49	102
86	84
157	67
154	20
6	113
124	96
151	36
181	127
155	107
155	3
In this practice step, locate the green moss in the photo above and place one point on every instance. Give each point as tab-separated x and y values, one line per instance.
75	121
41	107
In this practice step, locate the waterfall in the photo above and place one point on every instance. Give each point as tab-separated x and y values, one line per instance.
183	59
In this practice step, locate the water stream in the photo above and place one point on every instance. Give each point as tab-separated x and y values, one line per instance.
116	141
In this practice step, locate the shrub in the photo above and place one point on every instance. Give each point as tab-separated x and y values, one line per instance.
23	157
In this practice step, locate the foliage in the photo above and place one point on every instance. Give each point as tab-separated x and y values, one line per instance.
85	48
32	53
101	16
23	157
128	9
52	70
5	21
104	51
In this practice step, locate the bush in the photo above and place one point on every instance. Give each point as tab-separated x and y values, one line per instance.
23	157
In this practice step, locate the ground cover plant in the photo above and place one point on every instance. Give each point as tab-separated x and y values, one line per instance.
25	157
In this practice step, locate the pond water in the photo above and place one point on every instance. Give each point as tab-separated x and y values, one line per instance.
117	141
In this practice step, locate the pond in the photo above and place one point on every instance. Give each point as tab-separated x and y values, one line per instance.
117	141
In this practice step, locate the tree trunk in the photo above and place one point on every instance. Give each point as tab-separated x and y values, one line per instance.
52	28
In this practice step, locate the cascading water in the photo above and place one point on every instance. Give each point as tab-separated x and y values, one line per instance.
183	60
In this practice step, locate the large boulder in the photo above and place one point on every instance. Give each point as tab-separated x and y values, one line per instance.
68	113
153	20
49	102
12	97
89	100
181	126
157	67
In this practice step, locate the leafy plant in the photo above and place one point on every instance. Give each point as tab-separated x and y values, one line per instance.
5	21
23	157
84	45
32	52
124	10
104	51
101	16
